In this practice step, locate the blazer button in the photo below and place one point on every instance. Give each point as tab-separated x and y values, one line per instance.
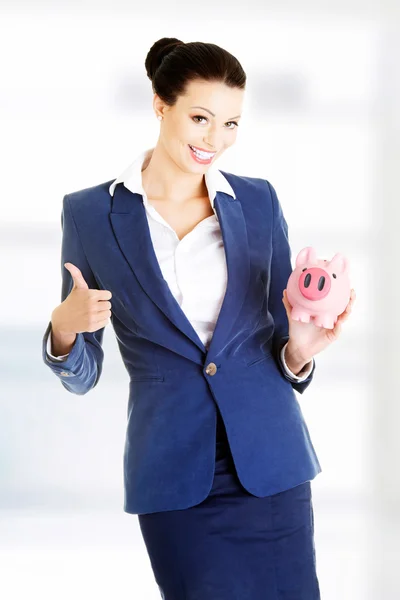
211	369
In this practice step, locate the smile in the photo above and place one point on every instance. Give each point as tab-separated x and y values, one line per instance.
200	155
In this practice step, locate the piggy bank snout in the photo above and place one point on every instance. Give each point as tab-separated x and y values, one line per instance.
314	283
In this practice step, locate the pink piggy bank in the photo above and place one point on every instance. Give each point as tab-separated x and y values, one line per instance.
318	288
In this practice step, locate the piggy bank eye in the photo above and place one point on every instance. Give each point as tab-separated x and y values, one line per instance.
305	269
333	275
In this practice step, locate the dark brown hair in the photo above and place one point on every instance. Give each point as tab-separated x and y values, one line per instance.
171	65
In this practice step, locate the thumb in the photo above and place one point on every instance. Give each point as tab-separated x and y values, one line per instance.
286	303
77	277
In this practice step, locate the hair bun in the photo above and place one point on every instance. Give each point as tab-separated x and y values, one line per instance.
171	65
158	52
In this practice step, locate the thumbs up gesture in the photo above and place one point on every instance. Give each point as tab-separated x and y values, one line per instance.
83	309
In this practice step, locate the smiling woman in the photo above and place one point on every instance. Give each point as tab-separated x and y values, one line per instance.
190	262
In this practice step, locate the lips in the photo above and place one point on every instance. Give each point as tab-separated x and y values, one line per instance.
202	161
201	149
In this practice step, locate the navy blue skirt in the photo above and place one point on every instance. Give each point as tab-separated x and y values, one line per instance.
233	545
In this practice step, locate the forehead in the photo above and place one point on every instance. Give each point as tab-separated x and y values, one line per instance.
214	95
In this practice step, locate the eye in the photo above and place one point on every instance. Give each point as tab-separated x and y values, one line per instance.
201	117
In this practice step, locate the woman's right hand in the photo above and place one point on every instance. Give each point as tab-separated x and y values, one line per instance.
83	309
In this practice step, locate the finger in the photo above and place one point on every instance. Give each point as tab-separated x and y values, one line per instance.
77	277
103	305
284	298
286	303
99	325
337	329
344	315
102	315
102	294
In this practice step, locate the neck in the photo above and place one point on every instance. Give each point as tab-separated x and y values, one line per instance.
163	179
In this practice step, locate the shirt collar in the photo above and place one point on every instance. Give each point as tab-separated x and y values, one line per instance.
131	177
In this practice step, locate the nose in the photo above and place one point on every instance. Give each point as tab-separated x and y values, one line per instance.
212	139
314	283
210	145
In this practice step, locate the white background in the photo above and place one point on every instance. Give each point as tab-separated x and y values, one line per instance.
322	123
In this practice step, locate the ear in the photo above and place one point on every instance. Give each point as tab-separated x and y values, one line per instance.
158	105
339	263
306	255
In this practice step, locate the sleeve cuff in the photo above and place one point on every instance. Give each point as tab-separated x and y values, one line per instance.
72	359
304	372
50	355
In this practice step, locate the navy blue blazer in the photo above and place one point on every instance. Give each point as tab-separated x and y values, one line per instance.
175	383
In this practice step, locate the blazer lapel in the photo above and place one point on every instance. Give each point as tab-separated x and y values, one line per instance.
234	235
130	226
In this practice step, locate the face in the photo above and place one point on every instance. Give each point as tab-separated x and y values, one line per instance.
205	118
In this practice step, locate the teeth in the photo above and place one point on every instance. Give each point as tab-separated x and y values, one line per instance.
201	154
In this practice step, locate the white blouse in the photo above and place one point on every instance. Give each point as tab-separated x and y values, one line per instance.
194	267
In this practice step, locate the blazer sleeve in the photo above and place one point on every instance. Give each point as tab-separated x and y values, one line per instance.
281	268
81	370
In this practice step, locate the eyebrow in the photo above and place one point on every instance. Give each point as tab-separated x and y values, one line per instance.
211	113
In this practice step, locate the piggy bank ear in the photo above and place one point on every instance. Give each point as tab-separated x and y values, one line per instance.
305	256
339	263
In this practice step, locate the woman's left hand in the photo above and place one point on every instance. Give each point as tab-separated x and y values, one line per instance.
306	339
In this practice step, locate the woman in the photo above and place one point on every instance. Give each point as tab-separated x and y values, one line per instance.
218	460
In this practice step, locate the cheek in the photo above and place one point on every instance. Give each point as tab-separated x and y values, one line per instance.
185	129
